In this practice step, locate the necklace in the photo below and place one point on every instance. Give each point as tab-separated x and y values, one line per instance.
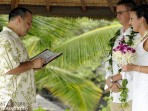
145	35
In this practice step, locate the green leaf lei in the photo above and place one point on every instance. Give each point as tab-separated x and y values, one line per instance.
124	90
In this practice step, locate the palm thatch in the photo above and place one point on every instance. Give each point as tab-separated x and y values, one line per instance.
72	8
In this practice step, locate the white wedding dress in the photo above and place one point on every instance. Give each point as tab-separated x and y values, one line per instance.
140	82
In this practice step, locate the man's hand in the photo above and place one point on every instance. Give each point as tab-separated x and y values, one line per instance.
117	77
108	82
38	63
116	87
113	86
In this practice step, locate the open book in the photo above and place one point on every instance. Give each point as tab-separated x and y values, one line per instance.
47	55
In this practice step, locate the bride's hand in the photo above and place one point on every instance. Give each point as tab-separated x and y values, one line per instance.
128	67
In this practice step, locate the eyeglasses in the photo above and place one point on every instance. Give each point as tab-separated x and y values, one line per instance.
121	12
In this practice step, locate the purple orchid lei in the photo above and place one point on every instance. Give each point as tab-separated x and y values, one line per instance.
123	48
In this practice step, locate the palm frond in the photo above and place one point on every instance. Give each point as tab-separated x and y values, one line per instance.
47	30
3	19
84	47
71	89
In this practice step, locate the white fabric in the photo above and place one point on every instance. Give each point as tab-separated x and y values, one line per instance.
20	88
140	82
125	75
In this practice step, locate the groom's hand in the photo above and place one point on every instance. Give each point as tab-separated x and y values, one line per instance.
108	82
116	87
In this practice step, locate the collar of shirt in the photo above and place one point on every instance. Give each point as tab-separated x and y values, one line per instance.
122	34
11	31
125	32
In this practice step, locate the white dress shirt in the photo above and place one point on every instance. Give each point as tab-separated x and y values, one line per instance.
125	75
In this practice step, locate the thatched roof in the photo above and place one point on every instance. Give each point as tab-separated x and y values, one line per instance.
71	8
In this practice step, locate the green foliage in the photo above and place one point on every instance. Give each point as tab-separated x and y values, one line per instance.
85	25
73	90
85	47
3	21
104	108
67	109
39	109
124	90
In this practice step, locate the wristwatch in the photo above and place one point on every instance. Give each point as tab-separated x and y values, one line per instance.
111	79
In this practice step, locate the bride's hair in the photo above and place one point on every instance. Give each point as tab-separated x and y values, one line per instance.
142	11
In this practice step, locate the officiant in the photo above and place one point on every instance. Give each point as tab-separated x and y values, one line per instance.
17	85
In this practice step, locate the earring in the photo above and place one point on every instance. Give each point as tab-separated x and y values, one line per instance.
141	23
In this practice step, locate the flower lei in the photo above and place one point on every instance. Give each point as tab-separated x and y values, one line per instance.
124	90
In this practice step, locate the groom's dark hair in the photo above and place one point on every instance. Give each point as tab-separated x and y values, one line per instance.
128	3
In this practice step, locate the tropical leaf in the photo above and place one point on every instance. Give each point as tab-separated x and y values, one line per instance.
85	47
79	94
73	90
70	89
3	21
48	31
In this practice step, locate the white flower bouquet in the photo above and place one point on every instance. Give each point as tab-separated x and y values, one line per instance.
124	54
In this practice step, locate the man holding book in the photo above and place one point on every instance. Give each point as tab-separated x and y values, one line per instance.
17	85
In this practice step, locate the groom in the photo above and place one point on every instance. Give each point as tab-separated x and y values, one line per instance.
113	77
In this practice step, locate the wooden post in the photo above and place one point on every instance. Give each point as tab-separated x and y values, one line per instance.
14	4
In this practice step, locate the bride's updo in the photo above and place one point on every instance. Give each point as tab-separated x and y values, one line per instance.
142	11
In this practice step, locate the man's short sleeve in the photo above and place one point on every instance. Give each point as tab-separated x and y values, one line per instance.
9	56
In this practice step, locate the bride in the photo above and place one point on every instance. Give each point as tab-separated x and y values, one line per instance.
139	22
